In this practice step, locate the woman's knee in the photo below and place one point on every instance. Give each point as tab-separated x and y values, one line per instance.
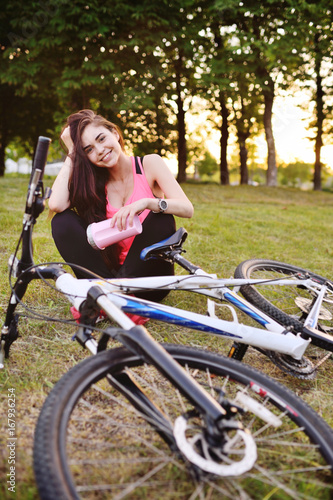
66	225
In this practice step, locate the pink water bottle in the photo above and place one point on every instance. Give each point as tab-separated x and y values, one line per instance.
100	235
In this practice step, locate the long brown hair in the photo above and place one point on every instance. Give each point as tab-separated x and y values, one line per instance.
87	183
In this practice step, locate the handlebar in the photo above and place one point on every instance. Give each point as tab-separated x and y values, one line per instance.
41	154
37	170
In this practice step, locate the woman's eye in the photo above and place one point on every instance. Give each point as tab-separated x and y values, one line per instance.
101	139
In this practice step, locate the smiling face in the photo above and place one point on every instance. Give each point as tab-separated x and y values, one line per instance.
101	145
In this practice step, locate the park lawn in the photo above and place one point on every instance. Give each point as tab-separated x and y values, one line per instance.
231	224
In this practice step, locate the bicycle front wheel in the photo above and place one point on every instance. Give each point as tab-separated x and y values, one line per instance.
91	443
288	304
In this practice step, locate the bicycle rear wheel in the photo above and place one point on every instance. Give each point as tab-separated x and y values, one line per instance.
90	443
288	305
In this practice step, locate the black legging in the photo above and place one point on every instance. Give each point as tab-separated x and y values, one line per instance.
69	234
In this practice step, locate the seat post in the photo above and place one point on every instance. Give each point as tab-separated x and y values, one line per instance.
184	263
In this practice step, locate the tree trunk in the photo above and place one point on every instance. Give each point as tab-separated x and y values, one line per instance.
224	172
320	118
159	128
271	179
268	90
182	150
3	133
243	155
2	161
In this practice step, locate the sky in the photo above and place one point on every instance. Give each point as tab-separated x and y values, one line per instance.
291	136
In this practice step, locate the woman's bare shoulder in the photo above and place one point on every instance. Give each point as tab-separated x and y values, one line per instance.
152	159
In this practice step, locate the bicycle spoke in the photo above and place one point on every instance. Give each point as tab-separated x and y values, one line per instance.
114	452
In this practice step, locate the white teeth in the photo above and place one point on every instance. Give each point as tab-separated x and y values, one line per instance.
106	156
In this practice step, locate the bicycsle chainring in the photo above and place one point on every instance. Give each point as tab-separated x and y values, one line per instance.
305	306
302	369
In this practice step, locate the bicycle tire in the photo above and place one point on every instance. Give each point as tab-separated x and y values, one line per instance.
279	302
87	445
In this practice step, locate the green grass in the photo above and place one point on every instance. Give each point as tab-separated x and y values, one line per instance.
230	224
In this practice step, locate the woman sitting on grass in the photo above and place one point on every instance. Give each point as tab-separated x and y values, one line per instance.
98	181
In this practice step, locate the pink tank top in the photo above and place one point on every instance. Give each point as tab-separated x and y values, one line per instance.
141	190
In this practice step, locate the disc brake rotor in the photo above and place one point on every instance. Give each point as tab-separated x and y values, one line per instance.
222	461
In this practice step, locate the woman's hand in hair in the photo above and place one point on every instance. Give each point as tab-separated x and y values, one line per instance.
67	140
59	199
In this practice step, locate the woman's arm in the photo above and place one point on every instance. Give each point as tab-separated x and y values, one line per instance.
59	199
163	185
162	182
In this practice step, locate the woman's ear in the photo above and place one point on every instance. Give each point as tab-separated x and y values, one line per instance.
114	131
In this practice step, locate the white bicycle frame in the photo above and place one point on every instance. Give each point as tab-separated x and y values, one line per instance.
116	302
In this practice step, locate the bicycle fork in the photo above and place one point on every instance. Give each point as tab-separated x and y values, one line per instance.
139	341
218	420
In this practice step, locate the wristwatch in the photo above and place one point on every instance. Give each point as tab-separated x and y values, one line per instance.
162	205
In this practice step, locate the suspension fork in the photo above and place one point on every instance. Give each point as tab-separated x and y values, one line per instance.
134	393
141	343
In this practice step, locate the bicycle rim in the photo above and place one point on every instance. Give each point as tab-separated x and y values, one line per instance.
91	444
289	304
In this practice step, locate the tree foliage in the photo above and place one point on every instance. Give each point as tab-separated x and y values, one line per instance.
208	165
141	64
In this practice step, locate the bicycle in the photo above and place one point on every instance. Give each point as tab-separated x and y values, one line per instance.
183	410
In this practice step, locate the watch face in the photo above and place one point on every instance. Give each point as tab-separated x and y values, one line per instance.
163	205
